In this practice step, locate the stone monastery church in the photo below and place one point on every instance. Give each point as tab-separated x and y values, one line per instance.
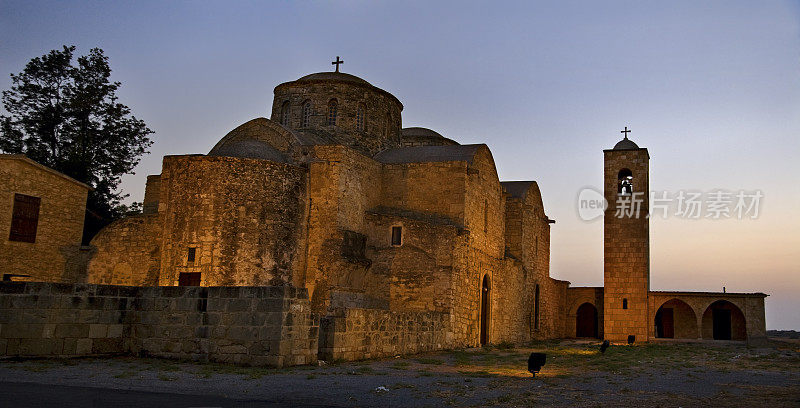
384	240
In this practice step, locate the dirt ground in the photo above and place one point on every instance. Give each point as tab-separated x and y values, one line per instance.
576	374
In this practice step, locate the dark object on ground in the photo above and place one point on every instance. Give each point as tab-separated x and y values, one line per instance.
631	339
535	362
604	346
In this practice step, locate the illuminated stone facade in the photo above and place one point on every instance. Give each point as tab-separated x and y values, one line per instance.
396	241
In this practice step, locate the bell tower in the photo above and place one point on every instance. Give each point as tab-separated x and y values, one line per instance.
626	241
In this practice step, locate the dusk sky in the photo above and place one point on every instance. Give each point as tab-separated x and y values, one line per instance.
712	89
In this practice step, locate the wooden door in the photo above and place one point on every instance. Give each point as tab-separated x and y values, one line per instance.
586	321
189	279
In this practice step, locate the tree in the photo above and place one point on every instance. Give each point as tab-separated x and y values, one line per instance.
67	117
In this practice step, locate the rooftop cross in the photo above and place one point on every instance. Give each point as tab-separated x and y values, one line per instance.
626	131
337	62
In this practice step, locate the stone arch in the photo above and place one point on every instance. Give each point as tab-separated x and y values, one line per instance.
723	320
586	320
675	319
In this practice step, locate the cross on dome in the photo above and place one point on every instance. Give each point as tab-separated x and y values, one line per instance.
337	62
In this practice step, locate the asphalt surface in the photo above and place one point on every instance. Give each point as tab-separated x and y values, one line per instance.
32	395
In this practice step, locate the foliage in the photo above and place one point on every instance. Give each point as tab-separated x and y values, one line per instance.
67	117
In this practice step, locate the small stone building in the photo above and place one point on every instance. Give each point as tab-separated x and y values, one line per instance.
41	214
404	240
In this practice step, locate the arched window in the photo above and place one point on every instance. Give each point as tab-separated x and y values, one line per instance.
625	182
360	117
307	108
485	310
285	114
332	108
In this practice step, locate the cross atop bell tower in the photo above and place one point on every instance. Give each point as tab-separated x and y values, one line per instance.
625	132
337	62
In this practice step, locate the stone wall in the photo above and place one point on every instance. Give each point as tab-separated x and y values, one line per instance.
152	193
243	217
60	319
355	334
343	185
482	255
56	254
128	252
416	275
242	325
527	238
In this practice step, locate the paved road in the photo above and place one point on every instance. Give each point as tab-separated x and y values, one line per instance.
32	395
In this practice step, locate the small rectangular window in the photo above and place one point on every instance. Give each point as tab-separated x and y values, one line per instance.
397	236
24	218
191	255
624	303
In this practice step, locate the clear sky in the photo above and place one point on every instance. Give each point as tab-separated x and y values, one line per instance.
712	89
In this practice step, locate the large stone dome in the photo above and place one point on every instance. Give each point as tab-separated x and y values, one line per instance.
259	138
341	107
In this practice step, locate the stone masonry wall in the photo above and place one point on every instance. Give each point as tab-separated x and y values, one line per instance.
416	275
342	185
528	240
58	234
152	192
242	325
355	334
483	255
128	252
244	217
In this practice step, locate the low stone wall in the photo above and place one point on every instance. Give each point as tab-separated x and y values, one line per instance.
242	325
55	319
356	334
